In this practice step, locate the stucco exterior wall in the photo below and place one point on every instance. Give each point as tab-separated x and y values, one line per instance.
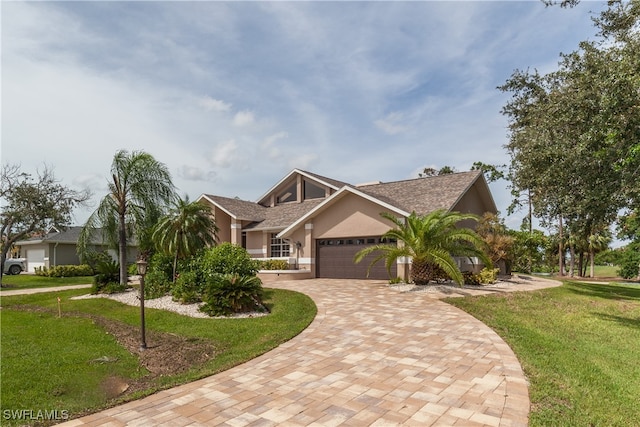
255	244
223	221
348	217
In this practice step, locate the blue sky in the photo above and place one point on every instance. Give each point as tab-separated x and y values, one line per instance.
231	96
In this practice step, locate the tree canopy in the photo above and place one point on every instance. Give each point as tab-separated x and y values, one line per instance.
575	132
139	190
33	205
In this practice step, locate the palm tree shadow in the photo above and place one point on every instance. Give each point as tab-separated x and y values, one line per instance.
605	291
624	321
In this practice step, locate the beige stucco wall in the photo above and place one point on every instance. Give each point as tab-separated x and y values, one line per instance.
223	221
349	217
255	244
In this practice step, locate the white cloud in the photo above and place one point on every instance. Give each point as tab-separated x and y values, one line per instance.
302	161
224	154
243	118
269	145
392	123
193	173
211	104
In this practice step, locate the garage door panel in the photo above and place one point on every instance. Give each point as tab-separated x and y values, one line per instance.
335	260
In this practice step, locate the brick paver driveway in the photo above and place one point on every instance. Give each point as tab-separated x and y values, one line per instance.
372	356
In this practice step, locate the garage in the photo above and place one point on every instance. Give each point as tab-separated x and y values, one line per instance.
334	259
35	258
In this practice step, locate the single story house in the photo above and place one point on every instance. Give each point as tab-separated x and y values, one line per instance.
59	247
318	224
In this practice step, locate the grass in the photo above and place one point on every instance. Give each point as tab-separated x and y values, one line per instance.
27	281
578	345
47	361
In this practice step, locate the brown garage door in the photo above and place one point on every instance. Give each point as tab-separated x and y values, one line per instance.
334	259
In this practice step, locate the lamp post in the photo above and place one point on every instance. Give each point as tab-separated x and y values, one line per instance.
142	270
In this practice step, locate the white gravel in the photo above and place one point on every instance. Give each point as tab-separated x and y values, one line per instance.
131	297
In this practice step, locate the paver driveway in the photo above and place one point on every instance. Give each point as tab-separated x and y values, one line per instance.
372	356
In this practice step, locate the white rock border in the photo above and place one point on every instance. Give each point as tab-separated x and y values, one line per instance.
131	297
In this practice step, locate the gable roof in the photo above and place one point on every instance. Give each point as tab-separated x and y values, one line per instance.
332	183
238	209
420	195
281	216
69	236
424	195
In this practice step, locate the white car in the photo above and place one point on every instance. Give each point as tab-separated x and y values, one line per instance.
14	265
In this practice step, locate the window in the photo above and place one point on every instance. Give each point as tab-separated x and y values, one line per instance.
244	239
279	248
288	195
312	191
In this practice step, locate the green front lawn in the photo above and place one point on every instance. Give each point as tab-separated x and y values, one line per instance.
26	281
67	363
578	345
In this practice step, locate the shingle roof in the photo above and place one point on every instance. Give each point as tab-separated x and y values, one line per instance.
281	216
68	236
423	195
241	209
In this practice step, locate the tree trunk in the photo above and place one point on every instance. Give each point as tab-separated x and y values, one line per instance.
560	248
122	246
175	266
592	263
581	264
572	264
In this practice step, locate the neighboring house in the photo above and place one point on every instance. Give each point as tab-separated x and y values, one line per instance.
60	248
318	224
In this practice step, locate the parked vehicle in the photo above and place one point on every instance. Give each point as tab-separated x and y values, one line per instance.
15	265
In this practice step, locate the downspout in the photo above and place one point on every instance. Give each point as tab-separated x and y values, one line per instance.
55	253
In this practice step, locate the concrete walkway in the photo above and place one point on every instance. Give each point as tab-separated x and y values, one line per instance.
30	291
372	356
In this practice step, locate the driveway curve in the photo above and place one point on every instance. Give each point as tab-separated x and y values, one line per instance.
372	356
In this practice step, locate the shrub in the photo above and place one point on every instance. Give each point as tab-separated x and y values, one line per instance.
272	264
489	275
225	294
157	282
471	278
630	262
109	288
228	259
65	271
156	285
396	280
107	271
187	288
93	258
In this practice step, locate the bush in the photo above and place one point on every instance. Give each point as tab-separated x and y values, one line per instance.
65	271
489	275
187	288
471	278
630	262
228	259
156	285
272	264
231	293
107	271
93	258
108	288
396	280
157	282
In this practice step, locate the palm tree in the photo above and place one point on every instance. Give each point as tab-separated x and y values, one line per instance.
431	241
139	189
188	227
